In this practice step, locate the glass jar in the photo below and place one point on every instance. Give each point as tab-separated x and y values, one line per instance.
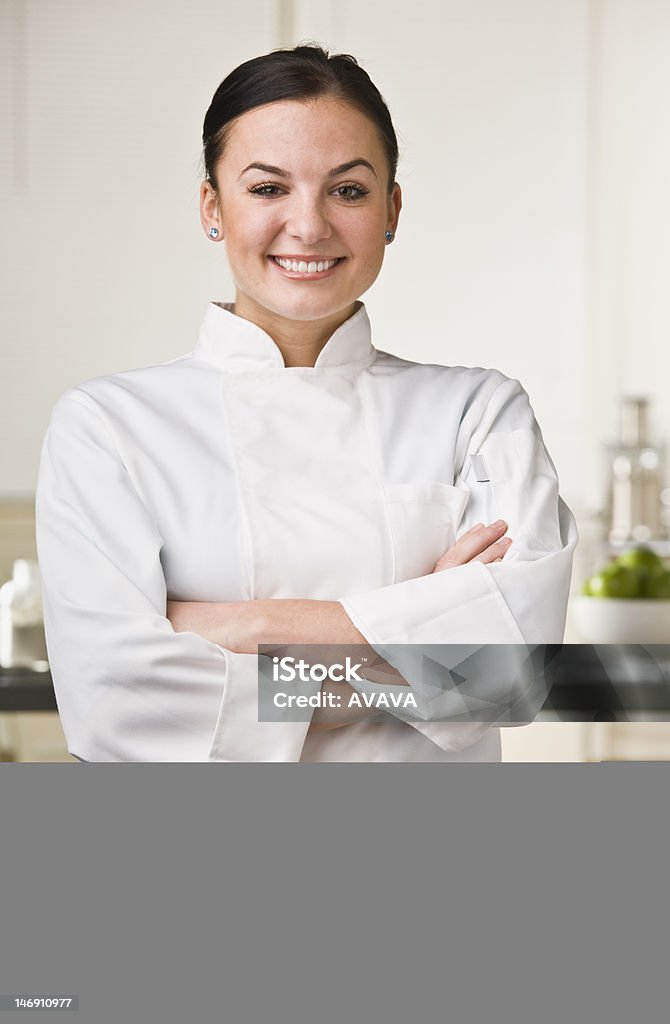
22	640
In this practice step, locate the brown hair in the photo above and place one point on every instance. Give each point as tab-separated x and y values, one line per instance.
303	72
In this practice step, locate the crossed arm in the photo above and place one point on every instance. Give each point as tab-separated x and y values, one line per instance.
241	626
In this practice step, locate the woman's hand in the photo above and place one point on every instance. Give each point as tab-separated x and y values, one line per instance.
480	544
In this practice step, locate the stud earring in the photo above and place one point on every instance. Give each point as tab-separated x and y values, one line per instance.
389	236
213	232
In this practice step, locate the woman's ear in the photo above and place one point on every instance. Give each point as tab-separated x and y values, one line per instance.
394	207
210	214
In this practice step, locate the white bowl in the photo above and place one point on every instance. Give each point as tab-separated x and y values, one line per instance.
618	620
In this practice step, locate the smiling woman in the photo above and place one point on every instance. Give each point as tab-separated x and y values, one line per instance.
286	482
304	238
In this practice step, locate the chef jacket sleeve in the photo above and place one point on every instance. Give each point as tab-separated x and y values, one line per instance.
504	468
128	687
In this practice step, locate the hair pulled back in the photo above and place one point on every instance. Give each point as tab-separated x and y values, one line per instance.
304	72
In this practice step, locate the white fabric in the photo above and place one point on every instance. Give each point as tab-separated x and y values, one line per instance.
225	476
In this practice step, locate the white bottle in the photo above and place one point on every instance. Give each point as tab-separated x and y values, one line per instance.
22	641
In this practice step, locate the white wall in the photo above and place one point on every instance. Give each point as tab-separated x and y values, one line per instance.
630	210
106	265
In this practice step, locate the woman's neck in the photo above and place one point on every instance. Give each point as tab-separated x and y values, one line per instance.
299	341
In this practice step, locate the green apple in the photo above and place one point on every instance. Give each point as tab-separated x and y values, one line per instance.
658	586
649	566
615	581
641	558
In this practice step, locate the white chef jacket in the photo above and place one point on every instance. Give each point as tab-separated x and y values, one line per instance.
224	475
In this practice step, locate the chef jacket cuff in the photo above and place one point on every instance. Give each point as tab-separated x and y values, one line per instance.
462	605
239	735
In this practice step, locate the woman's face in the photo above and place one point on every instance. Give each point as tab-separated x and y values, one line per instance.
305	181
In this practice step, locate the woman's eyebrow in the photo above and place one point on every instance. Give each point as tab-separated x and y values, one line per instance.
270	169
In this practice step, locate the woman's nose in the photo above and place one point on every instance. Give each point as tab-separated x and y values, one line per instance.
308	221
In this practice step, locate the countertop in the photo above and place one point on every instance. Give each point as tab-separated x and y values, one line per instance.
21	689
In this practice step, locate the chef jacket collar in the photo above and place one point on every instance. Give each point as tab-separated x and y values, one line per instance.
238	345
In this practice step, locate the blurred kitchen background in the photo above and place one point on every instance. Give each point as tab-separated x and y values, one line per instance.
534	235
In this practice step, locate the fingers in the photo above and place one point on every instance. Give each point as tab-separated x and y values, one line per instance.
474	544
495	552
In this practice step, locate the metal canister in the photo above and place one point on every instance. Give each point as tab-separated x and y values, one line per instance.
636	478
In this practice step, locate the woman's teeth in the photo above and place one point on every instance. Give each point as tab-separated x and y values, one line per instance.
301	267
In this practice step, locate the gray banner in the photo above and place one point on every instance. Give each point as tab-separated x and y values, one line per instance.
502	684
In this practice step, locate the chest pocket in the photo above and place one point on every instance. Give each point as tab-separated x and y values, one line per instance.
423	520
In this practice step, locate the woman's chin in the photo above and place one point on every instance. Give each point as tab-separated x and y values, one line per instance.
308	308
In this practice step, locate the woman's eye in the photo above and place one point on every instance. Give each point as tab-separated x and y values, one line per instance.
358	191
264	190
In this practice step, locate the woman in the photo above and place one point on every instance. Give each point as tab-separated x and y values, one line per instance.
286	482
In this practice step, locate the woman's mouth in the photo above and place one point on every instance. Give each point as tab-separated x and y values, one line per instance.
309	270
